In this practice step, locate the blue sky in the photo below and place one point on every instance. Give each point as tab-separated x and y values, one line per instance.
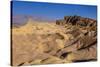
52	10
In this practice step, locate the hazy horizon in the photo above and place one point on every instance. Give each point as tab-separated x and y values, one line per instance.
50	11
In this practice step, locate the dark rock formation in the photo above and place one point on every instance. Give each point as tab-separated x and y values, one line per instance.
77	20
83	46
72	39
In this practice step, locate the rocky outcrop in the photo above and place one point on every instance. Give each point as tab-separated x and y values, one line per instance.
77	20
83	47
72	39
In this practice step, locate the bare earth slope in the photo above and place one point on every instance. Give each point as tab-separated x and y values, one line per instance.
51	43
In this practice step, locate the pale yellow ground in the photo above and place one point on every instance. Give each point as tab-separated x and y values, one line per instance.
29	44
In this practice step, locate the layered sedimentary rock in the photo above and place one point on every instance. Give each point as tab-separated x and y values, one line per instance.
72	39
83	46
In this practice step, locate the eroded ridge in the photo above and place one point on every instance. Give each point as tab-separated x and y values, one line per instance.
72	39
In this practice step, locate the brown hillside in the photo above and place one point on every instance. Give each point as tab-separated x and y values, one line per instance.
71	39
